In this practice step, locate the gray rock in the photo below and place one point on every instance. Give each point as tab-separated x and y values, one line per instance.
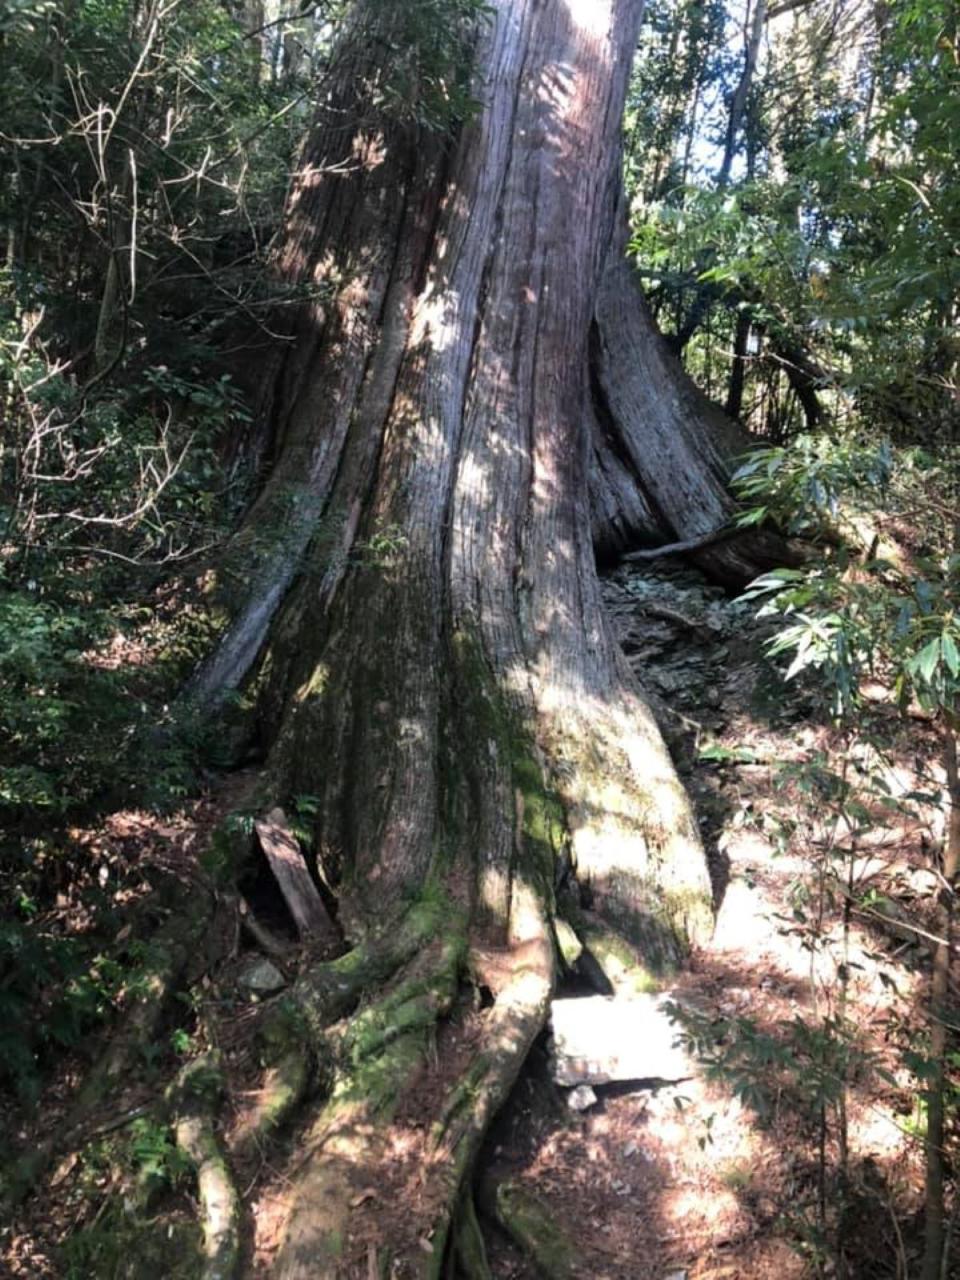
582	1098
261	977
668	681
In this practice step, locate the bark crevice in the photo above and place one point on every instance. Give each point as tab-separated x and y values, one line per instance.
436	672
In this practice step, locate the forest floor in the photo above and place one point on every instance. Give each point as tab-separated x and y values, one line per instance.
735	1173
800	1128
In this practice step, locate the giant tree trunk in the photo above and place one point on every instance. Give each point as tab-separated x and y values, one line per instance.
418	596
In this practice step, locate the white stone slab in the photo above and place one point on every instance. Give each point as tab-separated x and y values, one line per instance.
605	1039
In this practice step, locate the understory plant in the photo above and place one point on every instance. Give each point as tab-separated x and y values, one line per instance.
875	618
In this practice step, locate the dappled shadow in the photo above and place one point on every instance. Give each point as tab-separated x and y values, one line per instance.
645	1182
691	1176
432	427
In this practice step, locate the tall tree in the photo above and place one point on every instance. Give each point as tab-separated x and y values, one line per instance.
416	602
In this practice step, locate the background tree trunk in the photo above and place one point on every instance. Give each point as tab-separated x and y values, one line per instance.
663	451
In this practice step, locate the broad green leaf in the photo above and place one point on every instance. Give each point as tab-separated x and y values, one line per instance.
951	655
927	660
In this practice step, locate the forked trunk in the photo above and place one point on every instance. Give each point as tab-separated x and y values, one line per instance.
429	486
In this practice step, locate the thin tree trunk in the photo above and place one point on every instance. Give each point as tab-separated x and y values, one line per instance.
59	26
939	1016
738	104
805	376
664	156
753	35
692	113
108	341
738	369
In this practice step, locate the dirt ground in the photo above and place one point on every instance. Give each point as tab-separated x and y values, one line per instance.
778	1136
719	1178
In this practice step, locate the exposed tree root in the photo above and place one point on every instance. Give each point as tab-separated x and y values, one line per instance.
194	1099
331	990
469	1247
168	955
634	840
285	1086
379	1053
353	1154
569	945
609	962
516	1019
539	1236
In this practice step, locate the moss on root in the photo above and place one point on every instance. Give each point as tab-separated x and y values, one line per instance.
194	1099
541	819
569	946
638	853
403	1014
535	1231
333	989
286	1082
377	1054
469	1246
607	959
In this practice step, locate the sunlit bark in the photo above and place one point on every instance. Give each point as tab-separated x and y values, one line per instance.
422	608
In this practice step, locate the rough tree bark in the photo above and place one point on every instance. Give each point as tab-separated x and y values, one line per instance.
662	450
417	603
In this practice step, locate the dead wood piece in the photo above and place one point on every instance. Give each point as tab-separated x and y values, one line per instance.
666	614
299	892
268	942
195	1098
684	547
